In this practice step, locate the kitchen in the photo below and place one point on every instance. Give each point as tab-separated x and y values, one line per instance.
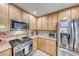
29	29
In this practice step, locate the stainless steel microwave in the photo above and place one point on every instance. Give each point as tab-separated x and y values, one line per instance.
16	25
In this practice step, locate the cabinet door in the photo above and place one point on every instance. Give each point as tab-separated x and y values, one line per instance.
64	14
52	21
51	47
44	23
4	21
41	44
25	17
34	44
6	53
39	23
14	12
75	12
11	13
32	22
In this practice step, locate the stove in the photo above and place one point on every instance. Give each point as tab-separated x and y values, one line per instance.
21	47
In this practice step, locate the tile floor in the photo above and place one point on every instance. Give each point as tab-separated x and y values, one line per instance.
39	53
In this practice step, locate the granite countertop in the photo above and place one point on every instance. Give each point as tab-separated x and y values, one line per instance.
4	46
47	37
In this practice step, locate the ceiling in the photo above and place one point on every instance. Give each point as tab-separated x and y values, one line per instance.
44	8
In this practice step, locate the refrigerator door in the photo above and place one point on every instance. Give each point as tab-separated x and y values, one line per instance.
76	27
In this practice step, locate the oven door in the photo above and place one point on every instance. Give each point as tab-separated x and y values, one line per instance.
28	49
19	53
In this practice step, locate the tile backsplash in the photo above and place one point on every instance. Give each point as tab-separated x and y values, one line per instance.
43	33
16	34
19	34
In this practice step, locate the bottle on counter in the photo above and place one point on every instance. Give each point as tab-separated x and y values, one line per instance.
2	37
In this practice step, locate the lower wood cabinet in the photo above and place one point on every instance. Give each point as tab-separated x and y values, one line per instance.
41	44
46	45
6	53
34	44
51	47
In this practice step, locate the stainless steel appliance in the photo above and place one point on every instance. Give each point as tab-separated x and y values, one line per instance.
21	47
16	25
68	34
52	34
28	47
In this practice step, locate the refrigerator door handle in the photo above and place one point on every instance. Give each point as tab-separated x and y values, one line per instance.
72	36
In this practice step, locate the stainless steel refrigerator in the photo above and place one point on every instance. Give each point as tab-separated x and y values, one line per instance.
68	34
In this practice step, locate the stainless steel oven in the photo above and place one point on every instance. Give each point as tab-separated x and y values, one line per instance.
19	53
21	48
28	49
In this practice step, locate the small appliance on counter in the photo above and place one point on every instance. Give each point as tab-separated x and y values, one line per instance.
33	33
52	34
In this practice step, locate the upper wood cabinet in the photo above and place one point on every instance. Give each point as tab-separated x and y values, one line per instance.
39	23
32	22
4	21
25	17
75	12
64	14
52	21
44	20
14	12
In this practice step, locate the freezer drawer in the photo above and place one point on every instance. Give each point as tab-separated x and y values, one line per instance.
65	52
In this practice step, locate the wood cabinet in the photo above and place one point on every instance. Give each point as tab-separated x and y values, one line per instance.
32	22
4	21
41	44
14	12
25	17
64	14
39	23
7	52
47	45
51	47
44	20
52	21
34	44
75	12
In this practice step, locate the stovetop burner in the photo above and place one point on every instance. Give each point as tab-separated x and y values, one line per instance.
16	42
24	39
